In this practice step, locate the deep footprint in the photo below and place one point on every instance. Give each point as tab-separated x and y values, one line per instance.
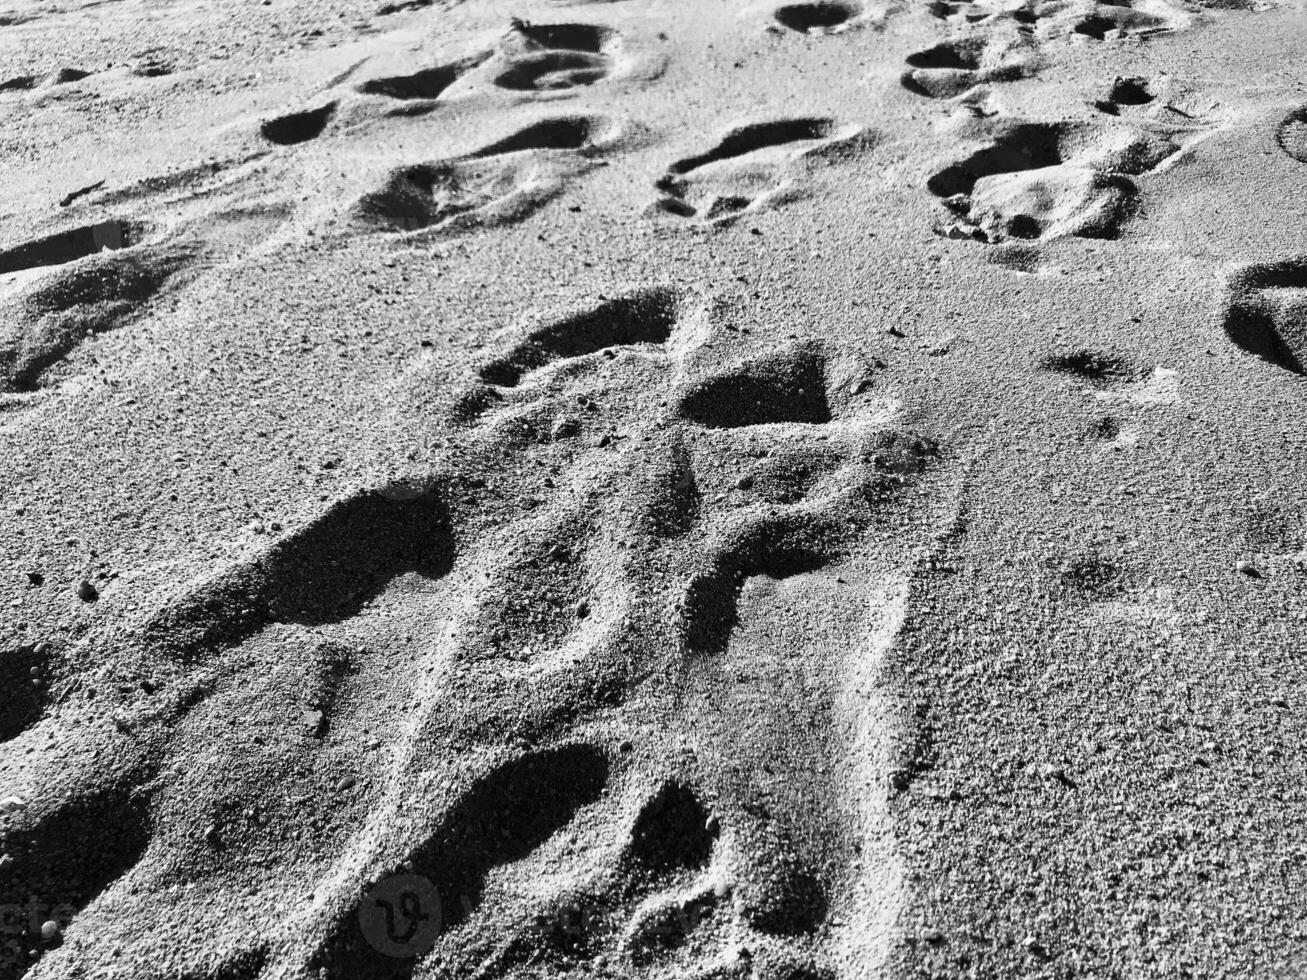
488	827
1266	313
68	246
321	574
645	317
815	17
298	127
63	860
428	83
786	386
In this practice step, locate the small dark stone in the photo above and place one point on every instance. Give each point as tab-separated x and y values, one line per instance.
87	592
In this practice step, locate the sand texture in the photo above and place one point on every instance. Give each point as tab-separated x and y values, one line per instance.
634	488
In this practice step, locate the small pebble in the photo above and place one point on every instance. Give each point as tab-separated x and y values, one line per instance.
87	592
1246	567
49	930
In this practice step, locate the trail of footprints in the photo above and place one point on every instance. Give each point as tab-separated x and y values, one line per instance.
623	416
627	429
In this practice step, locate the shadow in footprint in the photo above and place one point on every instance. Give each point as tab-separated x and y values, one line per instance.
497	184
1266	313
950	54
564	133
428	83
59	864
752	164
554	70
567	37
502	818
815	17
758	136
1025	146
953	67
670	833
298	127
321	574
786	386
777	548
22	688
68	246
645	317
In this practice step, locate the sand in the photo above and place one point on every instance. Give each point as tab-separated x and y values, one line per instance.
649	489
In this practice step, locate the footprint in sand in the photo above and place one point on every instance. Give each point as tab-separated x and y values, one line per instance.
1265	312
503	182
422	86
754	167
554	57
1004	39
298	127
952	68
1125	94
823	17
1048	180
627	510
1122	19
68	286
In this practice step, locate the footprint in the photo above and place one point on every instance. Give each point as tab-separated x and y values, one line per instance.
753	167
671	833
1126	92
954	67
645	317
825	17
321	573
1266	312
623	468
1041	181
487	827
788	385
50	316
429	83
68	246
1291	135
553	57
298	127
503	182
1130	18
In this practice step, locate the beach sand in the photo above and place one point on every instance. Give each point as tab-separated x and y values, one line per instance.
652	489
